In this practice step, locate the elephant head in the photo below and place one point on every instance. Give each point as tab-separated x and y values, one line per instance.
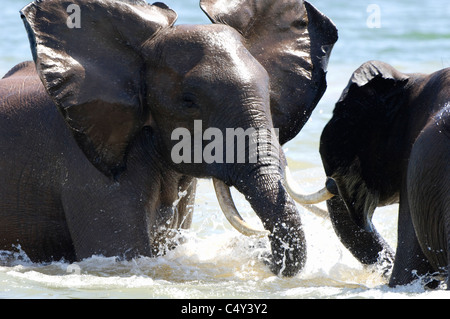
129	69
369	148
356	148
293	42
364	164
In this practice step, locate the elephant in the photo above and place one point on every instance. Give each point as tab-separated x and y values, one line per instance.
88	128
388	142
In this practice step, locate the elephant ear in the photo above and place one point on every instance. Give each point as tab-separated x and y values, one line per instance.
87	54
372	70
377	82
293	41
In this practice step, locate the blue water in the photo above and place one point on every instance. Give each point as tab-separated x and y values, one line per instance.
413	35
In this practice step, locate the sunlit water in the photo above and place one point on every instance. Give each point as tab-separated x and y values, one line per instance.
216	261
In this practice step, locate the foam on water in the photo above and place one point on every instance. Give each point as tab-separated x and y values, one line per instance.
215	262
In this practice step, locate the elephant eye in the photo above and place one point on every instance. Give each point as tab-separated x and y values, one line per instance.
189	101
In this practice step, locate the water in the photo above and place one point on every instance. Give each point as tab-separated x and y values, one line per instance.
216	261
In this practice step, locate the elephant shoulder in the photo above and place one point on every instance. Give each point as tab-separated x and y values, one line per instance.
21	90
439	81
20	80
27	68
442	120
444	75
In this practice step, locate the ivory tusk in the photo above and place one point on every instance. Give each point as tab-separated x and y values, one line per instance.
319	212
293	190
231	213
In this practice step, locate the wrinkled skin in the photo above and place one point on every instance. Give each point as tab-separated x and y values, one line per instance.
388	142
87	138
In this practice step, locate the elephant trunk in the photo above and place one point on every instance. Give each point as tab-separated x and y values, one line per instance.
263	186
278	213
366	246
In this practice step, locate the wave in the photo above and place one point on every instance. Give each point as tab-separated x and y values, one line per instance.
215	262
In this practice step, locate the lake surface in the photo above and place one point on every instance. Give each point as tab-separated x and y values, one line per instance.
216	261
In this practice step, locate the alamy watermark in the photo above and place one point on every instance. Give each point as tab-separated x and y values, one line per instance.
374	18
74	19
234	145
73	269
